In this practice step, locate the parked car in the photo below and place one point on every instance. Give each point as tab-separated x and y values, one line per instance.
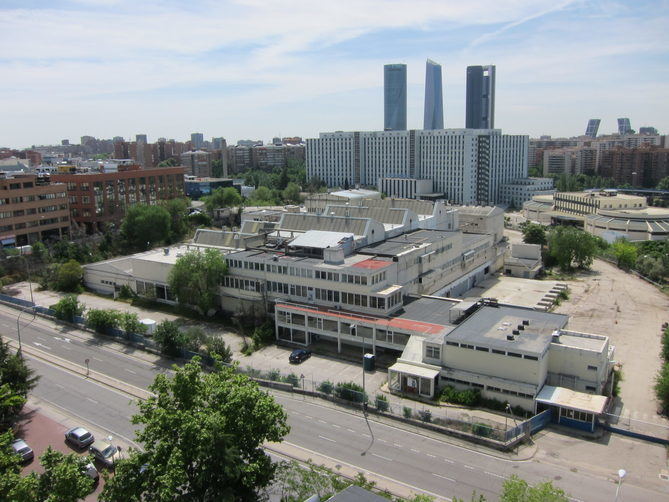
79	437
92	472
105	453
21	448
299	355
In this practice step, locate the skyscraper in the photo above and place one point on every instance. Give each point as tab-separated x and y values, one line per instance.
395	97
480	97
196	140
433	117
593	127
624	126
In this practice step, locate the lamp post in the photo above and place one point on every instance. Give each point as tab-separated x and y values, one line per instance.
18	318
621	475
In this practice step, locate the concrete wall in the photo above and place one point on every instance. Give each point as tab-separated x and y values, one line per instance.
529	251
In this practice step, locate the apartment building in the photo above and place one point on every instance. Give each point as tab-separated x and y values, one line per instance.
468	166
639	167
517	192
97	198
32	209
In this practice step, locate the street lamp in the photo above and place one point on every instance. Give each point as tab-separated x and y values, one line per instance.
621	475
354	331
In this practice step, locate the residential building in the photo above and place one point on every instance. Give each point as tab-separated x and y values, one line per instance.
194	187
433	114
197	163
638	167
651	131
593	127
268	157
395	97
516	192
32	209
480	113
98	198
468	166
218	143
407	188
624	127
197	140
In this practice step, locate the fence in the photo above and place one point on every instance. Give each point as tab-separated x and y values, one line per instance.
628	426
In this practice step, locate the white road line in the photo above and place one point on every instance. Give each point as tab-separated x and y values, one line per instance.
307	416
60	386
381	456
42	345
351	430
397	445
449	461
41	338
382	440
430	455
468	467
92	400
443	477
336	426
322	421
130	371
414	450
366	435
327	439
97	359
493	474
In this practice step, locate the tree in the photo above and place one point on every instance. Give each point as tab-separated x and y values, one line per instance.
41	252
516	489
196	277
292	193
217	168
662	387
202	437
145	226
17	376
178	210
68	276
102	320
651	267
283	179
10	401
262	196
68	308
222	197
663	184
170	338
129	322
625	253
569	246
533	233
216	347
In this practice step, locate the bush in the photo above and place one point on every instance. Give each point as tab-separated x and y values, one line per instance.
662	387
68	308
102	320
216	347
350	391
407	412
129	322
126	292
293	380
469	397
196	338
68	276
482	430
325	387
425	415
170	338
382	402
617	378
274	375
263	335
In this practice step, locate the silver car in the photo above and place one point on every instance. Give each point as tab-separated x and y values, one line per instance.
105	453
92	472
79	437
21	448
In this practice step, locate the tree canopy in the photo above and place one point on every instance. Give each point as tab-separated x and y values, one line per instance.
18	378
202	437
68	276
625	253
663	184
533	233
178	210
570	247
516	489
222	197
196	277
292	193
146	226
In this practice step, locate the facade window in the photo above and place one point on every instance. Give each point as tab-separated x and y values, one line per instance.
592	368
433	351
513	354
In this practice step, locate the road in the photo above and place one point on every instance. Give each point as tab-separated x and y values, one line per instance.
402	456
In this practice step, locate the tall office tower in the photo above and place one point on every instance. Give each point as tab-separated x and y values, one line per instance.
433	117
593	127
218	143
480	97
140	138
395	97
196	140
624	126
648	130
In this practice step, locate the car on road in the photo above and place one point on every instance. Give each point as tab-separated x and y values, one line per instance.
92	472
22	449
79	437
105	453
299	355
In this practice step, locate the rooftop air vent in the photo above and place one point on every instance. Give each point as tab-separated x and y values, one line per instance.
521	327
516	332
510	337
526	322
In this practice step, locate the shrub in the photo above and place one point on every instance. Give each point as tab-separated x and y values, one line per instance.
102	320
129	322
382	402
425	415
196	338
325	387
482	430
263	335
216	347
617	378
274	375
350	391
469	397
126	292
170	338
407	412
293	380
68	276
67	308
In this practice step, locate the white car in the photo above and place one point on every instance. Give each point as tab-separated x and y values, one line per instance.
105	453
92	472
22	449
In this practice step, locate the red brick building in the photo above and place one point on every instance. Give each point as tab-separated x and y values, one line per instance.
638	167
32	209
98	198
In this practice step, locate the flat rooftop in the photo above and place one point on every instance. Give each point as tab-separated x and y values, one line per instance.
434	310
399	245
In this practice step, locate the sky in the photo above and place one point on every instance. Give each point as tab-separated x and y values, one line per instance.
262	68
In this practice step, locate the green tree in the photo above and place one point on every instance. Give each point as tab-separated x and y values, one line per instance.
533	233
41	252
170	338
102	320
17	376
292	193
68	276
651	267
196	277
145	226
129	322
625	253
662	387
171	162
262	196
216	347
569	246
663	184
10	401
516	489
178	210
283	179
202	437
67	308
217	168
222	197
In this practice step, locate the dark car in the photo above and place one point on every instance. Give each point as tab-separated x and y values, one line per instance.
299	355
21	448
79	437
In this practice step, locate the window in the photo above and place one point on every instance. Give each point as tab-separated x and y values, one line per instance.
501	352
531	358
592	368
513	354
590	388
483	349
433	351
453	344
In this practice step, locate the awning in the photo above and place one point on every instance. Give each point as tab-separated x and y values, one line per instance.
567	398
417	371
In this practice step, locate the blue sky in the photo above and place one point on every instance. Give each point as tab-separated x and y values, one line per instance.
263	68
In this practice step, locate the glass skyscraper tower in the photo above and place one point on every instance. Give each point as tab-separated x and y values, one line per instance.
395	97
480	97
433	117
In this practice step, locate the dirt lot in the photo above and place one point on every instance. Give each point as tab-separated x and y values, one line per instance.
630	311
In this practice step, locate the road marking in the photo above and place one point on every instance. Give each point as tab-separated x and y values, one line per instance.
493	474
97	359
42	345
468	467
443	477
92	400
40	338
415	451
336	426
384	458
430	455
322	421
59	386
327	439
351	430
397	445
383	440
307	416
130	371
366	435
449	461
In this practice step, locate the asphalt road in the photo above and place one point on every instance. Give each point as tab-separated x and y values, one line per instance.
406	457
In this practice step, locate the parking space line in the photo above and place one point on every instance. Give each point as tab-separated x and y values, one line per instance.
130	371
430	455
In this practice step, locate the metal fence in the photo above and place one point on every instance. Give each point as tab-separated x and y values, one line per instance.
637	428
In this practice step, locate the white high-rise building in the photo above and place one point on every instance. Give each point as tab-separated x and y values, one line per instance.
467	165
